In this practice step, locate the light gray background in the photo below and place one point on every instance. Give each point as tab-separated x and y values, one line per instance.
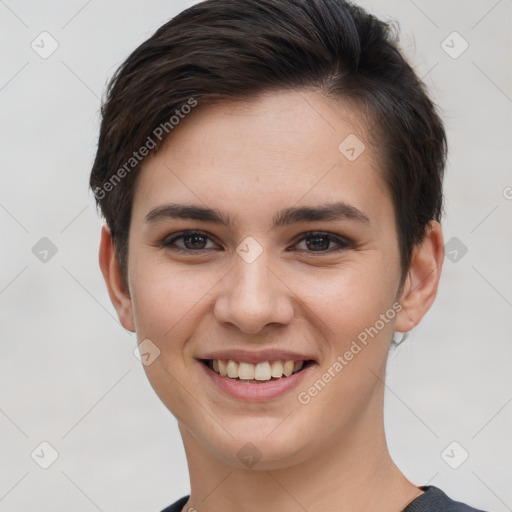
68	374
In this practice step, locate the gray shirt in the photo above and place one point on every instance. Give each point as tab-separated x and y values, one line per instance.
432	500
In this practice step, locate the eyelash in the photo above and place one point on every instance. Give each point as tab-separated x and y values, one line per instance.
344	243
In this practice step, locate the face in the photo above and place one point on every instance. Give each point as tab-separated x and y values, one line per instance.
256	237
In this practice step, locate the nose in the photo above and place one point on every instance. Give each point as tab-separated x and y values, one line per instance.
253	297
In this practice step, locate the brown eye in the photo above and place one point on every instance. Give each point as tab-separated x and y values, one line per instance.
194	241
321	242
187	242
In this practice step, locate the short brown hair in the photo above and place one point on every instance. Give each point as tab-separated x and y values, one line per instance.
219	50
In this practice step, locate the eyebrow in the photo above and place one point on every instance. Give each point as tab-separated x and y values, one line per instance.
333	211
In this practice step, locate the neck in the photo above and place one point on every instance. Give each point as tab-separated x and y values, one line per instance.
353	473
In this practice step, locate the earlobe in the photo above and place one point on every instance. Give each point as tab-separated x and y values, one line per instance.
113	279
422	282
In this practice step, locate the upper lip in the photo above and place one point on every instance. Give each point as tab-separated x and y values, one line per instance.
247	356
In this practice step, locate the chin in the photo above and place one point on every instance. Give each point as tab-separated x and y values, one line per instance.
260	444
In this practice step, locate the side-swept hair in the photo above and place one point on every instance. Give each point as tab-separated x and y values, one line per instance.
220	50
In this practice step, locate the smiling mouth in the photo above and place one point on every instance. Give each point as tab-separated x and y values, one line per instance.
256	373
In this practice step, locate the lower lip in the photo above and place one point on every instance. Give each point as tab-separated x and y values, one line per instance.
256	392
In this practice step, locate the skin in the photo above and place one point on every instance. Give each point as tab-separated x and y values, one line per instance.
251	159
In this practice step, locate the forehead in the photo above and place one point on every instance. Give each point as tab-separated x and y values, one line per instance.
259	155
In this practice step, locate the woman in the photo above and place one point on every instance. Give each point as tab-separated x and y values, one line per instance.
270	172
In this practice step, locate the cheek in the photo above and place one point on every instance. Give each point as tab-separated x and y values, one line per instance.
352	306
167	297
166	304
355	311
347	299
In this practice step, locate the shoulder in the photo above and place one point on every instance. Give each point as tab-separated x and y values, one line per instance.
177	506
435	500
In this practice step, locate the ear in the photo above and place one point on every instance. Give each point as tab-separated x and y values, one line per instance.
114	281
422	280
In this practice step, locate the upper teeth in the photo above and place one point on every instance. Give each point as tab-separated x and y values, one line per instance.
260	371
